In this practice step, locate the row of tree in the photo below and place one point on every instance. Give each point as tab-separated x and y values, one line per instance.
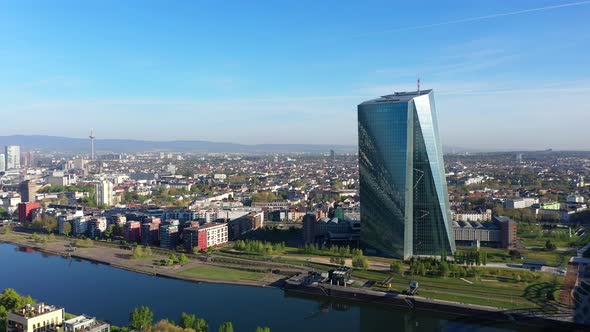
344	251
10	300
471	257
259	247
142	319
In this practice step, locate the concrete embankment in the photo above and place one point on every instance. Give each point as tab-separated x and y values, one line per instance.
466	312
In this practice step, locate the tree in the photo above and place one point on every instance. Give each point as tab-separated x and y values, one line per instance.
167	326
550	245
49	222
141	318
226	327
192	322
263	329
67	228
109	231
360	261
11	300
186	320
183	259
444	269
201	325
396	267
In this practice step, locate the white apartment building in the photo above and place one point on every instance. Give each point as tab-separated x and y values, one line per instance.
104	193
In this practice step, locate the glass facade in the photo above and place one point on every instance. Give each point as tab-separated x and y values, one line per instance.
404	201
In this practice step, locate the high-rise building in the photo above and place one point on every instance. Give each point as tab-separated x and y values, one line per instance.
27	190
2	162
104	193
12	155
403	191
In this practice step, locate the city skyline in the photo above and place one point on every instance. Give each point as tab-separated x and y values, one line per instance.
186	76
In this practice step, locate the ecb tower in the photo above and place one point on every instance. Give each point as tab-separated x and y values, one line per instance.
403	190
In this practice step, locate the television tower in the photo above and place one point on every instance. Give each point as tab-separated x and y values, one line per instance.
92	143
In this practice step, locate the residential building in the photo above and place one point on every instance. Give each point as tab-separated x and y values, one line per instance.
404	200
169	236
150	232
12	155
237	227
205	236
85	324
484	216
575	199
474	180
520	203
38	317
104	193
79	226
97	226
25	211
133	231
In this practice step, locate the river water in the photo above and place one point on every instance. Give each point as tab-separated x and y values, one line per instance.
110	294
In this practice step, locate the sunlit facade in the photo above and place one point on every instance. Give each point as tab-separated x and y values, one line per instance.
404	201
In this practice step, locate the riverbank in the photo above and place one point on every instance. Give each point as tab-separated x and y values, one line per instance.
120	258
532	318
112	255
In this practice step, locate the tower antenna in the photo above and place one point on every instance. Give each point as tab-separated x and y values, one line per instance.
418	83
92	143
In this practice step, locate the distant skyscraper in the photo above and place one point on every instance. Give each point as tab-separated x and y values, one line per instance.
2	162
403	191
332	156
12	155
104	193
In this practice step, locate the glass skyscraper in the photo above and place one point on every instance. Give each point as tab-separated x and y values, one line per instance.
403	190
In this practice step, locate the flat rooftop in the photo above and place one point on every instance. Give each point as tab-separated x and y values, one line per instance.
397	97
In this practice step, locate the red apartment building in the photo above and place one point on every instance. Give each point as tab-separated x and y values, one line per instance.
25	211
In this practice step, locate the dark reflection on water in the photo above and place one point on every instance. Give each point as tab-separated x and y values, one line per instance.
110	294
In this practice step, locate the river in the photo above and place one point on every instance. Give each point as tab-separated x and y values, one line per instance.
109	293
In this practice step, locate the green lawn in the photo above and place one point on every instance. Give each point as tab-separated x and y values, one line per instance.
220	273
552	257
491	290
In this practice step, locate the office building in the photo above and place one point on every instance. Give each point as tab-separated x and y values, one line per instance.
27	190
104	193
336	231
2	162
403	191
500	233
35	318
12	155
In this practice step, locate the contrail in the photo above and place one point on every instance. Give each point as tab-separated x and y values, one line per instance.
481	18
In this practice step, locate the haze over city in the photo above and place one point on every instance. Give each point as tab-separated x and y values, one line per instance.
507	75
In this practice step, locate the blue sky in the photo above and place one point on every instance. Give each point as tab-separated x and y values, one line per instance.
506	74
